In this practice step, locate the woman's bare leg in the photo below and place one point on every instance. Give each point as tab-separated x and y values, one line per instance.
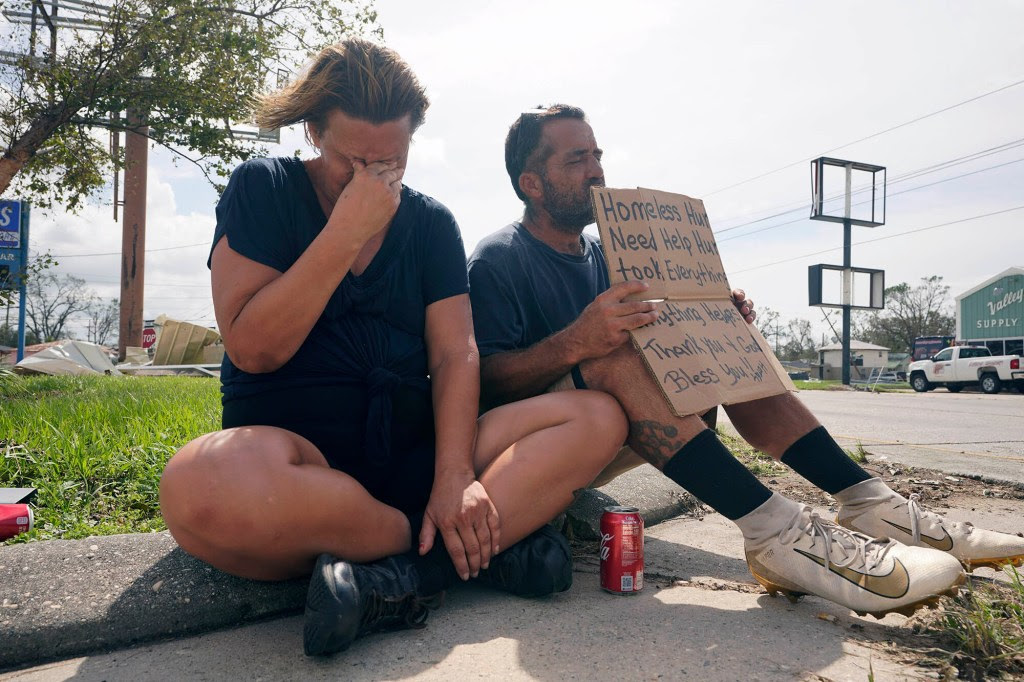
533	455
655	432
261	502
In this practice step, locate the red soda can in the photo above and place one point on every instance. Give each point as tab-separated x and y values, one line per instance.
14	519
622	550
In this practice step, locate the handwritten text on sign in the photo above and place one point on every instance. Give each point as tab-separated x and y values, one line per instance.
705	348
700	350
663	239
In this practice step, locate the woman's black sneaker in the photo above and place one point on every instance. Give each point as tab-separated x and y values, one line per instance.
347	600
538	565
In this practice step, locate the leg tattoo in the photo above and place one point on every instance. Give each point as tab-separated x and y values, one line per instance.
655	442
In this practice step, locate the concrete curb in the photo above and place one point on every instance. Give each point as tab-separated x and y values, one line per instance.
64	598
646	488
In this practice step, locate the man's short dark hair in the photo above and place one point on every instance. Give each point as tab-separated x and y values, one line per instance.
523	151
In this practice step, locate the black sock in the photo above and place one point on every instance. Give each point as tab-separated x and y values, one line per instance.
708	470
819	459
436	570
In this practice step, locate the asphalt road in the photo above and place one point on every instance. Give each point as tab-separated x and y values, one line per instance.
965	433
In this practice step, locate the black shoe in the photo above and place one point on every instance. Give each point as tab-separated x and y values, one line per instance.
538	565
347	600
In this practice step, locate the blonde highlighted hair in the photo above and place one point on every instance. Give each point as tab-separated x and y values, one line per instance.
364	80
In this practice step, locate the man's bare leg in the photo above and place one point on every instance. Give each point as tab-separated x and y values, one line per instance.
655	433
772	424
682	448
778	425
780	535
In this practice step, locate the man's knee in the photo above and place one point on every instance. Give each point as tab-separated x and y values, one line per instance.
606	373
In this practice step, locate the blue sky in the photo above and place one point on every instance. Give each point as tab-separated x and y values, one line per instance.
690	98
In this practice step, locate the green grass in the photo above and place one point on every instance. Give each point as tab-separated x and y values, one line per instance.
836	385
759	463
898	387
985	625
858	455
95	446
830	385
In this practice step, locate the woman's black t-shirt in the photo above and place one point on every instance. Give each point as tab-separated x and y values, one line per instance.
367	350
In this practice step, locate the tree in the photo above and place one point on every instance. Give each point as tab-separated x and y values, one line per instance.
36	265
767	322
101	320
193	66
792	341
923	310
799	343
9	336
52	301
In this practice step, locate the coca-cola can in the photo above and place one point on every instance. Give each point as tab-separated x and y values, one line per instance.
14	519
622	550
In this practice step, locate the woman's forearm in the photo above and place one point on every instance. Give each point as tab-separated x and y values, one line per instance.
456	393
272	322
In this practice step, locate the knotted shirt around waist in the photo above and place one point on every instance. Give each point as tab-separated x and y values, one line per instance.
356	388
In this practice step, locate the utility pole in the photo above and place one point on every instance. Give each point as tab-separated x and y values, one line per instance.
133	233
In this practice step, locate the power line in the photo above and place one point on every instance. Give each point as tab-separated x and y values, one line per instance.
118	253
867	137
148	284
868	201
909	175
177	298
879	239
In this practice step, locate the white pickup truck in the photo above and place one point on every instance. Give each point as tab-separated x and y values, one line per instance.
960	366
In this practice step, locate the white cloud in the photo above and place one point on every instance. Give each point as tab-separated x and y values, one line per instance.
176	281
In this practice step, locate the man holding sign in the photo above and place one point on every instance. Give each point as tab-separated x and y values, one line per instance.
548	316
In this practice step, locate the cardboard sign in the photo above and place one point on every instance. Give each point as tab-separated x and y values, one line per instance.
700	350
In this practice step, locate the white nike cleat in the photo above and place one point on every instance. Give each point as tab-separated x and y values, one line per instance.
811	555
873	508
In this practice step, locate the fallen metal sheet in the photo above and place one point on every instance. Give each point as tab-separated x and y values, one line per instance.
69	358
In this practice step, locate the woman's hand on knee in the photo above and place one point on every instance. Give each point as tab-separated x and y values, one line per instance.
467	519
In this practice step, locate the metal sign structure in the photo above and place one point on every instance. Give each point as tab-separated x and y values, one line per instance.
833	286
832	210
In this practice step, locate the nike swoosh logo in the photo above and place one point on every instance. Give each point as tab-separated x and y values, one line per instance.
943	544
892	585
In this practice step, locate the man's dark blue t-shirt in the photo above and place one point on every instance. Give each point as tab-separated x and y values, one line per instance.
523	291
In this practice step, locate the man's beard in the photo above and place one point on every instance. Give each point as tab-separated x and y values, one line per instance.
571	211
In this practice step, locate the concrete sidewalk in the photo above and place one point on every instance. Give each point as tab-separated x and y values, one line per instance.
66	598
700	616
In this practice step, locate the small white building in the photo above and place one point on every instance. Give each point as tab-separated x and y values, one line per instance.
864	358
